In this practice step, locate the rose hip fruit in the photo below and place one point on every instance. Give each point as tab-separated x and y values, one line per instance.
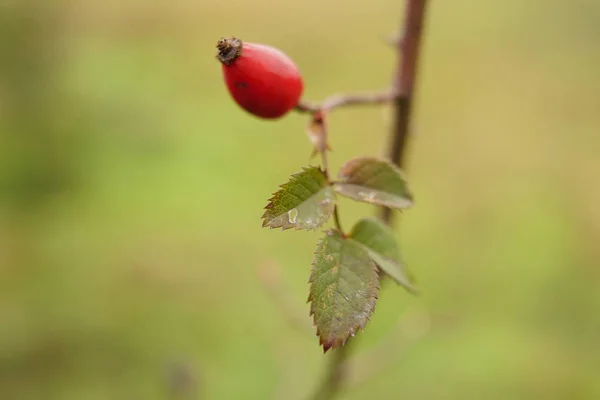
261	79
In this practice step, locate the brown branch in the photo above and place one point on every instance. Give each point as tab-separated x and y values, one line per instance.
343	100
403	84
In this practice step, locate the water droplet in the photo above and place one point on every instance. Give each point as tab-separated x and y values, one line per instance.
367	196
293	215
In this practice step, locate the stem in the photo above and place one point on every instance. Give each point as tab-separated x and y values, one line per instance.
334	377
404	83
325	164
336	214
336	219
342	100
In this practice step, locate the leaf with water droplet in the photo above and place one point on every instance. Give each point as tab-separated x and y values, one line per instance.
344	286
379	242
306	201
374	181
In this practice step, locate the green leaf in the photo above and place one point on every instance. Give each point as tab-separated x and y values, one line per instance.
374	181
306	201
379	242
344	289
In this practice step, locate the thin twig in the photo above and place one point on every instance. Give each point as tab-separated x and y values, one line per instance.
342	100
336	214
336	219
404	83
324	161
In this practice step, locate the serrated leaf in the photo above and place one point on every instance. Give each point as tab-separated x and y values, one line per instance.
374	181
379	242
306	201
344	289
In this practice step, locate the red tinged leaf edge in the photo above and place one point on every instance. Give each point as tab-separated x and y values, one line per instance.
275	197
335	343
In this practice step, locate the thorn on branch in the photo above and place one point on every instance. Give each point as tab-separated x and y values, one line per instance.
395	40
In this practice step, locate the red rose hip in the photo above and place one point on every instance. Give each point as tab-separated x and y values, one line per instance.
261	79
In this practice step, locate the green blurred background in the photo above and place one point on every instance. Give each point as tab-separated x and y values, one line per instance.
132	261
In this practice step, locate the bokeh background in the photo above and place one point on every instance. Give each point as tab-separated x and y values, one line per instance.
132	261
